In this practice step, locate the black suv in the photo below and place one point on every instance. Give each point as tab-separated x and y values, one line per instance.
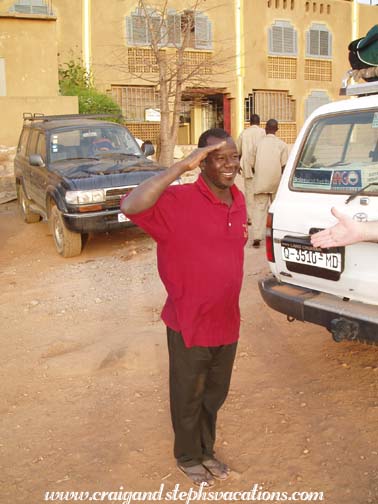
72	171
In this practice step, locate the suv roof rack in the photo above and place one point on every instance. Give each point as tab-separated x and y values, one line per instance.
350	87
30	116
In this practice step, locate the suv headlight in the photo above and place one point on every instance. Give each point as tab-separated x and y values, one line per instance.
85	197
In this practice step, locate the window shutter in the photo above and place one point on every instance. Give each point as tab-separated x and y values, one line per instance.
314	42
270	41
174	29
319	42
277	39
153	28
288	40
139	30
323	43
282	39
30	7
202	31
129	31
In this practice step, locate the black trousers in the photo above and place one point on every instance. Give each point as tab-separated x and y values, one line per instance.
199	380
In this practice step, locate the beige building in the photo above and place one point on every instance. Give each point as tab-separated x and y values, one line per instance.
277	58
28	66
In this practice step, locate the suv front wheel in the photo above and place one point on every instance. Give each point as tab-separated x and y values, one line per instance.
67	243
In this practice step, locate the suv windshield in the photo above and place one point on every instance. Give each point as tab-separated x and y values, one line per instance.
91	142
340	155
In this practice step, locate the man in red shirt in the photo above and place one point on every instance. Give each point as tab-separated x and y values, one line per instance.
201	231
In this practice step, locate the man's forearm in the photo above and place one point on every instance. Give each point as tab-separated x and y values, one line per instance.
369	231
148	192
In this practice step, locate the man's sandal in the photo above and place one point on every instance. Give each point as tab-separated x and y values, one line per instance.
198	475
217	469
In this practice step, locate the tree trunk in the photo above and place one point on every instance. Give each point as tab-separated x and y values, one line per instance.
167	143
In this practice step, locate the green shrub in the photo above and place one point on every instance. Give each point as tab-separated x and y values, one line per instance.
75	81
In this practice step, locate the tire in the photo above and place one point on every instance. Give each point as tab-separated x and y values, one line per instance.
23	203
67	243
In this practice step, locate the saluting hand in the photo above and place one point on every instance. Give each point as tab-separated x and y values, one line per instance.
196	156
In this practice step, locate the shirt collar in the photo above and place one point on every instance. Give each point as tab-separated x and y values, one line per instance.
205	190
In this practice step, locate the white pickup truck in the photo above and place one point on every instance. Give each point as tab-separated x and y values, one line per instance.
333	163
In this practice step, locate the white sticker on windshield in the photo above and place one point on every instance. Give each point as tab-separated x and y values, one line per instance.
54	143
89	134
374	124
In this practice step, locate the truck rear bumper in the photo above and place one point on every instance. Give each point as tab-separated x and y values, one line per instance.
345	319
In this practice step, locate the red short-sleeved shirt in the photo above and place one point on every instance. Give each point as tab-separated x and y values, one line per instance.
200	252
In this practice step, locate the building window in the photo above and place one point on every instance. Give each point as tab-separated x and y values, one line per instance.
196	62
196	30
142	29
318	70
3	86
277	104
282	39
315	100
190	26
31	7
282	68
134	100
141	60
318	42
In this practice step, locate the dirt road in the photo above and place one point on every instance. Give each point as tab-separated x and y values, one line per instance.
84	402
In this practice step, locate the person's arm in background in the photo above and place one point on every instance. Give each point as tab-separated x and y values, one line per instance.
253	157
284	157
346	232
146	194
239	144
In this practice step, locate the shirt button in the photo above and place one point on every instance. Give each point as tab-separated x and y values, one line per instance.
229	224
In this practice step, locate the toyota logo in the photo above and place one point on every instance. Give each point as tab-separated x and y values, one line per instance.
360	217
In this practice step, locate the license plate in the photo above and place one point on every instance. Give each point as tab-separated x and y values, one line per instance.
326	260
122	218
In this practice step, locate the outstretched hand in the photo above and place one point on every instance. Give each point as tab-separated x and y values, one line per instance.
198	155
346	232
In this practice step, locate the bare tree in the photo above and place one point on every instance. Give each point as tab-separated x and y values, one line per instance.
169	34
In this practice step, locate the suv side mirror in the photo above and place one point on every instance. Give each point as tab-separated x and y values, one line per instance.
147	148
36	160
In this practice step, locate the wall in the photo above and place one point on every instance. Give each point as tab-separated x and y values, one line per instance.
12	109
339	23
368	17
28	48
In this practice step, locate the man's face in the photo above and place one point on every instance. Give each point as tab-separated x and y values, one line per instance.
221	166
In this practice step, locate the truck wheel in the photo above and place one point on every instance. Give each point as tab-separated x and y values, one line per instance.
27	215
67	243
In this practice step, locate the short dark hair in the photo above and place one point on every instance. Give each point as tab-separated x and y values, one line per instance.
271	125
212	132
254	119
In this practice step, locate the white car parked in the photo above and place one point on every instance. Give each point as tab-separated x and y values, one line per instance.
333	163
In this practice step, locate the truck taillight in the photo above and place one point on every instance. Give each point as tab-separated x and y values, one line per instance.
269	238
